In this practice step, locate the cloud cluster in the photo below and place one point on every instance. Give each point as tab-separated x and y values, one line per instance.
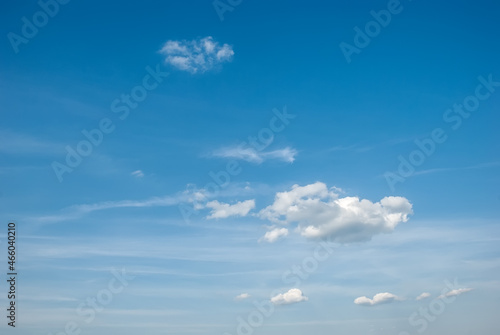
384	298
222	210
320	213
379	298
252	155
196	56
293	296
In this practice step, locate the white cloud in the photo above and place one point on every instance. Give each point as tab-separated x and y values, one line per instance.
293	296
191	197
273	235
138	174
454	293
423	296
196	56
221	210
379	298
320	213
242	296
286	154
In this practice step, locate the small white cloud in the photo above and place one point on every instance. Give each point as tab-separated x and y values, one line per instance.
423	296
320	213
273	235
379	298
196	56
221	210
251	155
293	296
138	174
454	293
242	296
225	53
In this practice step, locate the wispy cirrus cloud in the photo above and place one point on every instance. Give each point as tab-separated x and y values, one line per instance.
17	143
196	56
471	167
251	155
138	174
454	293
353	147
77	211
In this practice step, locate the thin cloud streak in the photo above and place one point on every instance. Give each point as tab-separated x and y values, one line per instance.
251	155
472	167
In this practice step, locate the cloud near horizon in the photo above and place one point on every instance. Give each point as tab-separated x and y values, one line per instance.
196	56
379	298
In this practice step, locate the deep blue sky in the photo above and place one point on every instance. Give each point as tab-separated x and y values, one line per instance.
352	122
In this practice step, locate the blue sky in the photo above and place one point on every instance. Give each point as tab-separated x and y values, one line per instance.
337	167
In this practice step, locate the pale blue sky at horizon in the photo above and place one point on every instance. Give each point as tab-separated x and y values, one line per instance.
334	162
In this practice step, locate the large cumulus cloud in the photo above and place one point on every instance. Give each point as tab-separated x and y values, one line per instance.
319	212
